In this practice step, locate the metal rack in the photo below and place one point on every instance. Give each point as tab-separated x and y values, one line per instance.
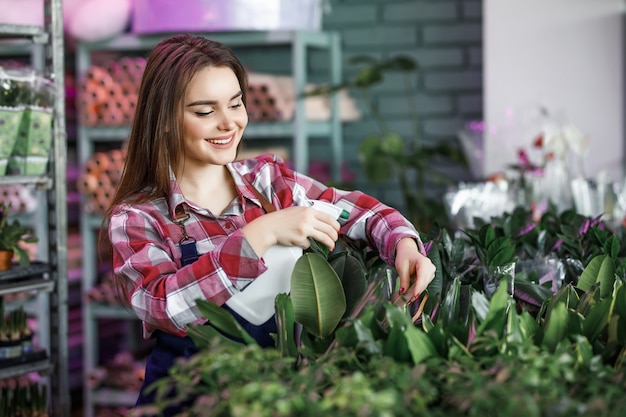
47	277
299	130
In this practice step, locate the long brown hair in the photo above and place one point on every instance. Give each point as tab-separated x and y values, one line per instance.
156	143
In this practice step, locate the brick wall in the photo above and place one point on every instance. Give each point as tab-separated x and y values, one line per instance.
445	38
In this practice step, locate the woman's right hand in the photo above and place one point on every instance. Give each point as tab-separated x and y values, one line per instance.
292	226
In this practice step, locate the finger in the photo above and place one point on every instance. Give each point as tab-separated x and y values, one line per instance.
425	274
327	218
404	276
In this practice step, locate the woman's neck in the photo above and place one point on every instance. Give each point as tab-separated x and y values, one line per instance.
211	187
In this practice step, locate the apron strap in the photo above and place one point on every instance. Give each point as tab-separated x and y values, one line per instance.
267	205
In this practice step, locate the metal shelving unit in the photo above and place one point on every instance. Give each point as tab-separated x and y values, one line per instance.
298	131
47	276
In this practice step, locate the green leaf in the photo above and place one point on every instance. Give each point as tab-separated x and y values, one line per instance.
611	246
514	332
596	319
317	295
619	311
420	346
360	336
392	144
502	257
487	235
367	77
435	288
584	351
480	305
606	277
203	334
590	275
450	307
222	320
496	317
285	324
529	328
556	327
352	275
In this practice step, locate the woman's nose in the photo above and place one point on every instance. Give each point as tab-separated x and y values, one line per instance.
226	122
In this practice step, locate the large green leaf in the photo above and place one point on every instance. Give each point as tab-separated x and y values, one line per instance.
600	269
405	340
285	324
596	319
420	346
352	275
514	333
450	307
619	312
435	288
221	319
555	329
529	328
480	304
496	317
317	295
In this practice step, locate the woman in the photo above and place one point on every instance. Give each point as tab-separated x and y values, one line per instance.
188	221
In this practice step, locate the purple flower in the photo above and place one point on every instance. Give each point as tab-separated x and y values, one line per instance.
527	229
427	246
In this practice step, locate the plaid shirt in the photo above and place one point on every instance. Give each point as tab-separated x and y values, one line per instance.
146	248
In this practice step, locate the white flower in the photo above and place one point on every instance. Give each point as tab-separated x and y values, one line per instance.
577	142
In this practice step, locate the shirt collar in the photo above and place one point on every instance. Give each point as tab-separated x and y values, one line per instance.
177	201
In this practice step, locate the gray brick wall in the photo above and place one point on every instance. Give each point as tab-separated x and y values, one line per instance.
445	38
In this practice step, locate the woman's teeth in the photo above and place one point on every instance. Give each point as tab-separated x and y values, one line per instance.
221	141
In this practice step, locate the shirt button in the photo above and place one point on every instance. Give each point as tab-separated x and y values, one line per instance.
228	226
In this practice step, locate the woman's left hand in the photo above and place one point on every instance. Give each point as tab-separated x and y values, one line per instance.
415	270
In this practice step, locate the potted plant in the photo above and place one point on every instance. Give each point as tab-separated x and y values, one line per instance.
467	354
11	234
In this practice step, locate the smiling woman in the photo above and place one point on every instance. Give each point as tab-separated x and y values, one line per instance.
190	223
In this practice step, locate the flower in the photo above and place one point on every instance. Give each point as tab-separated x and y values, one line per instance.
12	233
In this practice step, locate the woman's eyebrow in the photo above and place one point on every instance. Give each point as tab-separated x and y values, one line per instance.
212	102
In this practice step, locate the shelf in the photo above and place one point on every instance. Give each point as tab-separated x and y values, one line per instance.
46	56
29	278
129	42
42	366
40	181
34	33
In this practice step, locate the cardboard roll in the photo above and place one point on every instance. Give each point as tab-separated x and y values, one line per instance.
87	184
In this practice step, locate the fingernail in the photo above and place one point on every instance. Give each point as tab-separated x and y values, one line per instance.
414	299
402	290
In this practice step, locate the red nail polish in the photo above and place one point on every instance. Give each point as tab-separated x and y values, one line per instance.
402	290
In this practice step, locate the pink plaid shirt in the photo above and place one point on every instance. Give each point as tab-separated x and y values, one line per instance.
146	248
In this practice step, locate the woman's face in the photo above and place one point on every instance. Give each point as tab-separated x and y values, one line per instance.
214	117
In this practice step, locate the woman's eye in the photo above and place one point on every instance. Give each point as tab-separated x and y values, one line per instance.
236	106
202	113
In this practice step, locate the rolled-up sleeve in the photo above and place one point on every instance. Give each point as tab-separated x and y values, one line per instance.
162	293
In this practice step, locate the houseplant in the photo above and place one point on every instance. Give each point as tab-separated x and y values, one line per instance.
468	354
11	234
